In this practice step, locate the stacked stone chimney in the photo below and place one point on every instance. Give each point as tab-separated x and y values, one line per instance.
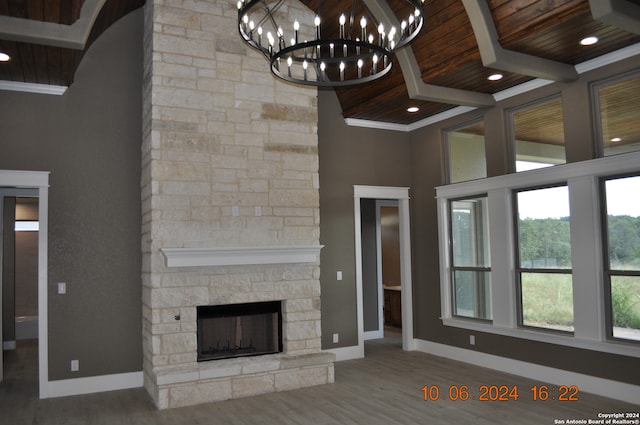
229	199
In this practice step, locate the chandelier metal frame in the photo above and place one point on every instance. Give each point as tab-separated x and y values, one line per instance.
327	62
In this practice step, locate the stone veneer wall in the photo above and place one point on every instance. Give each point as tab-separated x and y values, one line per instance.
220	136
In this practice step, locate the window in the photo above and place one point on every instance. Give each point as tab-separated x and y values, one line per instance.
618	114
471	274
623	256
466	154
544	258
538	135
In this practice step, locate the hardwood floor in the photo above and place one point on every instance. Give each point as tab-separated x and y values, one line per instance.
382	389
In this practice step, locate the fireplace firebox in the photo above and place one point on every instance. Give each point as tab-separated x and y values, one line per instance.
239	330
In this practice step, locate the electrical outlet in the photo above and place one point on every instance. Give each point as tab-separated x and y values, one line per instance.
75	365
335	338
472	339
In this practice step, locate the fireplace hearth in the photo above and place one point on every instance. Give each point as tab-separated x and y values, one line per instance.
239	330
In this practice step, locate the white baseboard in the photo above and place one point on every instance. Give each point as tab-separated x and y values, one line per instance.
8	345
347	353
92	384
373	335
586	383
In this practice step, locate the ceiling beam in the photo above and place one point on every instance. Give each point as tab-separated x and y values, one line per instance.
73	36
495	56
419	90
618	13
416	87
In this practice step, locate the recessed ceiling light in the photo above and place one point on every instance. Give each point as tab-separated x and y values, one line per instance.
413	109
616	139
495	77
589	41
4	57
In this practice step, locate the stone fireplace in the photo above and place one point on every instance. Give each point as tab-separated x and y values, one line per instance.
230	208
276	286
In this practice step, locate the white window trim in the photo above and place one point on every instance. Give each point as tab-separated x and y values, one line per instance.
587	259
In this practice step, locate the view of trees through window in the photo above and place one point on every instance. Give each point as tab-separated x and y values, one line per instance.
623	237
471	263
544	241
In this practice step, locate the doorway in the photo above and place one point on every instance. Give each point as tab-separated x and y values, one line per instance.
396	196
381	276
28	187
20	288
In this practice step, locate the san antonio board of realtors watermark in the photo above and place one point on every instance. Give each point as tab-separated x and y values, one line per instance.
619	418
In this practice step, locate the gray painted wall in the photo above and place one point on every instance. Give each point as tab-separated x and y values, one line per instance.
348	156
89	139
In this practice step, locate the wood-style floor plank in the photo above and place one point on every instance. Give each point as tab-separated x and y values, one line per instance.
381	389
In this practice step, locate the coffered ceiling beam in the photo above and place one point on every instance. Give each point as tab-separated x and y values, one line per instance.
496	57
72	36
419	90
618	13
416	87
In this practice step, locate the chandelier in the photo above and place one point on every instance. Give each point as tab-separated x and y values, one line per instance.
356	48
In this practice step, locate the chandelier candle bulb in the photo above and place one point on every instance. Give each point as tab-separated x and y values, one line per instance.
296	28
360	63
363	25
331	50
342	21
316	22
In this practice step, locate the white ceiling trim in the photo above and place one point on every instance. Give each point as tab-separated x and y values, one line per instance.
73	36
32	87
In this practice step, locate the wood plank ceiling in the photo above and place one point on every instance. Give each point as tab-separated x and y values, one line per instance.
447	52
40	63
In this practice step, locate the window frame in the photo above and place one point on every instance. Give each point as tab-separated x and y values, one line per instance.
518	261
586	244
606	269
454	268
596	110
446	140
511	130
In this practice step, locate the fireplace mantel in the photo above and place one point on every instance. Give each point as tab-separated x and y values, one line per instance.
235	256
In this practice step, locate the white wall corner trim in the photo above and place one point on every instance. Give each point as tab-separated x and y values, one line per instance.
586	383
234	256
94	384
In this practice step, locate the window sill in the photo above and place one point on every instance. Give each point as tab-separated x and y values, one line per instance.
630	349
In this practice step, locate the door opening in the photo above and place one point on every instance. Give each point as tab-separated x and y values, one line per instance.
401	197
30	184
20	288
